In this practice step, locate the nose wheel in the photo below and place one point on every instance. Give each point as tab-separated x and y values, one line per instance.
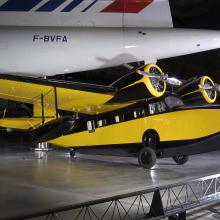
72	153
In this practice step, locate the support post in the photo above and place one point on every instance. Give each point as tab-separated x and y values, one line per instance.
56	103
156	208
42	108
42	147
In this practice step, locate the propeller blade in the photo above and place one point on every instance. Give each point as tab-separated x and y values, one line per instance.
161	76
143	73
53	129
206	87
217	87
152	75
172	81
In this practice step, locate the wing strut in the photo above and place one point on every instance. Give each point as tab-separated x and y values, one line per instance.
56	103
42	108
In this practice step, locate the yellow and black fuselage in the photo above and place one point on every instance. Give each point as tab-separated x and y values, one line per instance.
180	127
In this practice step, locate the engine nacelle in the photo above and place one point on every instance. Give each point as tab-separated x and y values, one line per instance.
199	90
136	86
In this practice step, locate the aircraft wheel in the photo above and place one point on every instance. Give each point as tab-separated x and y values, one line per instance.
181	159
173	217
178	216
147	157
72	152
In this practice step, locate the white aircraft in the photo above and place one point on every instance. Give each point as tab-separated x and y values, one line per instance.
49	37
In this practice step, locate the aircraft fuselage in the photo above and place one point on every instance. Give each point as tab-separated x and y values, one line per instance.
40	51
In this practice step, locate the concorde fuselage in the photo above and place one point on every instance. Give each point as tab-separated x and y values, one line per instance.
39	37
40	51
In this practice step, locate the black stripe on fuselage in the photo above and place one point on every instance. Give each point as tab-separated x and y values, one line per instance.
128	115
164	149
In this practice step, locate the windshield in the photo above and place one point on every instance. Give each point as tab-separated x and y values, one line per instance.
173	101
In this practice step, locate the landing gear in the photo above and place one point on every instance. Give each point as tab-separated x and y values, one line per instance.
147	157
72	153
179	216
181	159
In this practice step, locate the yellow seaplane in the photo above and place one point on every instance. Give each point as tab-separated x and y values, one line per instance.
142	114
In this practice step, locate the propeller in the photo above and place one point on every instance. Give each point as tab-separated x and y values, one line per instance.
171	80
215	87
53	129
209	89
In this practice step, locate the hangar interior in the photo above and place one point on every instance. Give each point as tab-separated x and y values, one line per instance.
54	183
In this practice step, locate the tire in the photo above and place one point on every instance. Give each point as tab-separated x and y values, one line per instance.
181	159
72	153
173	217
177	216
147	157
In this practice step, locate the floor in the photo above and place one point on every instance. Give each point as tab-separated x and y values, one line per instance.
31	181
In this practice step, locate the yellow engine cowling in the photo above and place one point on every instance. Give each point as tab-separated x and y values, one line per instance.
135	86
192	93
152	83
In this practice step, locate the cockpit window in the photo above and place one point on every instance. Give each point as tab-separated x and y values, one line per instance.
173	101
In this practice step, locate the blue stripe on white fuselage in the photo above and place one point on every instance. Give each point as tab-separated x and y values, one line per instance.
19	5
49	6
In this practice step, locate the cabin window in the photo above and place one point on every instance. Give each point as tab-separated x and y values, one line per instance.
157	107
137	113
101	123
91	126
119	118
152	109
143	113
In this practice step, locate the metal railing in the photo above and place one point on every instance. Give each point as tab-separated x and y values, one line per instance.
155	203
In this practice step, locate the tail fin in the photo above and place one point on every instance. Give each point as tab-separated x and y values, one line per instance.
156	14
78	13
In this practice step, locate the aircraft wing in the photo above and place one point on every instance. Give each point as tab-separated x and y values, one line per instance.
48	97
71	96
